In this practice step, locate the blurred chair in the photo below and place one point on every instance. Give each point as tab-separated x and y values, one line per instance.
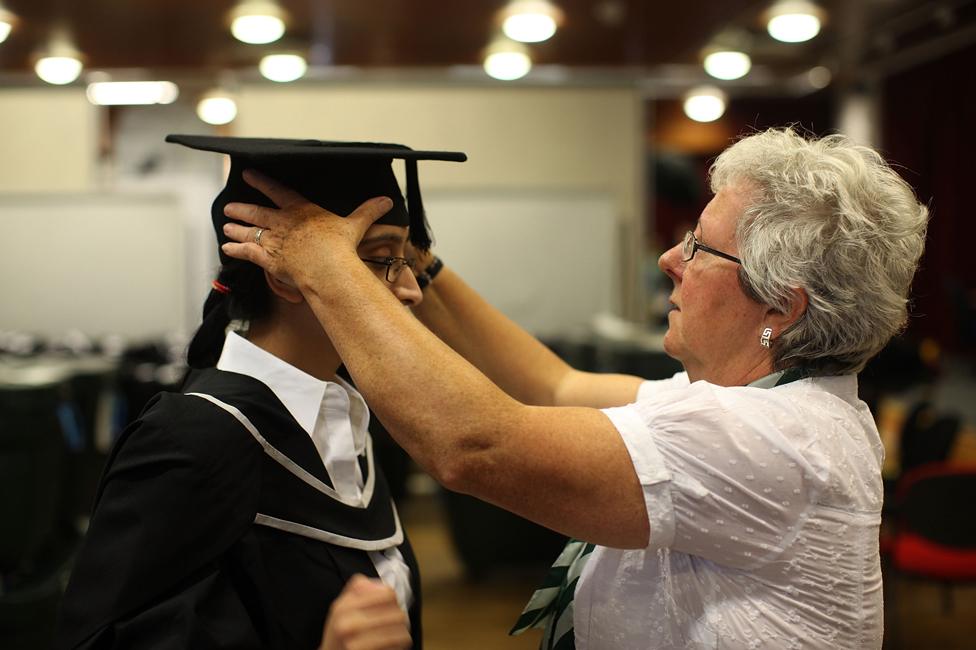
580	354
488	538
35	545
934	538
646	364
94	401
927	437
903	365
32	459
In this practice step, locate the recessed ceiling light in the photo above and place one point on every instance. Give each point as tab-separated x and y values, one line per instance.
283	67
794	21
507	60
59	62
705	103
819	77
217	107
7	21
257	21
530	21
728	64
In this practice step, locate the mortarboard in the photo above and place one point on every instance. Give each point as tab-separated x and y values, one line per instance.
338	176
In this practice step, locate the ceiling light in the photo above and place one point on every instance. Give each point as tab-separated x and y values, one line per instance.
704	104
283	67
257	21
58	70
7	21
60	62
819	77
610	12
530	21
217	107
507	60
794	21
728	64
132	93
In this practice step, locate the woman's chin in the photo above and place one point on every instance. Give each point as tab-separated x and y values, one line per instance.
669	344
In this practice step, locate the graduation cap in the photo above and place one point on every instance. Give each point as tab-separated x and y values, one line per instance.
339	176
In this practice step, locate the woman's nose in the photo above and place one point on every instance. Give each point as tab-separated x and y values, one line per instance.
671	263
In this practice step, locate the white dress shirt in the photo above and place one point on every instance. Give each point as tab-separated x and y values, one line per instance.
764	508
335	416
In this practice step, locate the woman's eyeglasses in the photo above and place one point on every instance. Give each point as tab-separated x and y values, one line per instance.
691	244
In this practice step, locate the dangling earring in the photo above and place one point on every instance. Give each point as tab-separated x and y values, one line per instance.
766	335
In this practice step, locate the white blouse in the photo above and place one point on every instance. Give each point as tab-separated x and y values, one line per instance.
335	415
764	508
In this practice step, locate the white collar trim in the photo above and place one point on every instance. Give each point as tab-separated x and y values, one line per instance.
300	392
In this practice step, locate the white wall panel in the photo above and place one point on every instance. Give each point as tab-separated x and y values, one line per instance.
48	138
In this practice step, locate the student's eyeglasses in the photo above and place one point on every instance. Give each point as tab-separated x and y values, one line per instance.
394	265
691	245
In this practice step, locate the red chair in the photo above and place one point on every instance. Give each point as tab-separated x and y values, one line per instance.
934	538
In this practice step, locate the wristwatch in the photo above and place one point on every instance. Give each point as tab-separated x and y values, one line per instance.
427	276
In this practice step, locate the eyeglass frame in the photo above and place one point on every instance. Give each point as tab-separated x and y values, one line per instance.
390	263
696	245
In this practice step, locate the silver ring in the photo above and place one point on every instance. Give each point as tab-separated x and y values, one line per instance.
257	236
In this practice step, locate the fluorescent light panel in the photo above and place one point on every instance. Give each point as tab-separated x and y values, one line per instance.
132	93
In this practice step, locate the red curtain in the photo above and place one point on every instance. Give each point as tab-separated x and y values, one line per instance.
929	133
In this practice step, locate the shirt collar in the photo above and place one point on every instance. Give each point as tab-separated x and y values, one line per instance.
780	378
300	392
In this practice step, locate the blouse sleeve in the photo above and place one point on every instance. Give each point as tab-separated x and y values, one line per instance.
723	470
653	387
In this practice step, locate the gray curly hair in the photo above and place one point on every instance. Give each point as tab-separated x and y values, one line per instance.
832	218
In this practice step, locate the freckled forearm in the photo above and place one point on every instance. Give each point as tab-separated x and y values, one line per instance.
428	396
563	468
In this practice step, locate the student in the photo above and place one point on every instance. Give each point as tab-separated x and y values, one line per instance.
233	514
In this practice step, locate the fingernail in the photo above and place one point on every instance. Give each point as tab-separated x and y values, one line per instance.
226	228
386	202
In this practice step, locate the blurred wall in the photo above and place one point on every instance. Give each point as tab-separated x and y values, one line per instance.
549	146
100	263
554	140
49	138
93	253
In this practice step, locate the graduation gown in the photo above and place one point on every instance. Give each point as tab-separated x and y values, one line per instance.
216	526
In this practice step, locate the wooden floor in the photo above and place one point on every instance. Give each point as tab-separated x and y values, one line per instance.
460	614
915	619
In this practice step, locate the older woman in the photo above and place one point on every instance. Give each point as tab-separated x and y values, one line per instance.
734	505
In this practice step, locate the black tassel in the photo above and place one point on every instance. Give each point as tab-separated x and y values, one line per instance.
419	229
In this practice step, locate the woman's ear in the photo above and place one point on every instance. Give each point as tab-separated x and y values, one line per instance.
284	289
782	320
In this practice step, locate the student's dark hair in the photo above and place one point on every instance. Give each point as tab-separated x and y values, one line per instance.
247	298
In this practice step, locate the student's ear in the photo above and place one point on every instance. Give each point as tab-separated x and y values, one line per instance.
284	289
